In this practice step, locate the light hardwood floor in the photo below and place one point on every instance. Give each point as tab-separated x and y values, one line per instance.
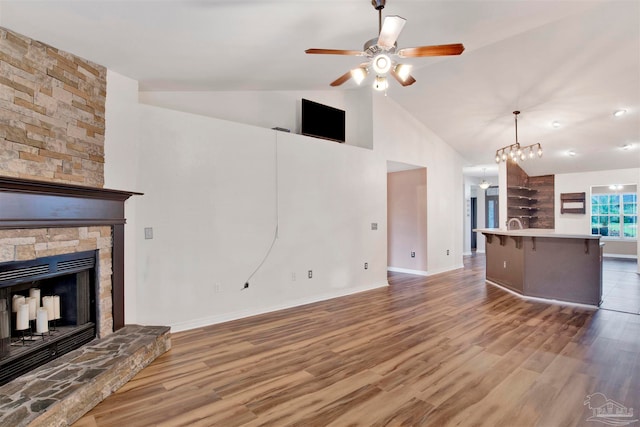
443	350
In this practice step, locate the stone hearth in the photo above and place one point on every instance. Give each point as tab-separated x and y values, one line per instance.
60	392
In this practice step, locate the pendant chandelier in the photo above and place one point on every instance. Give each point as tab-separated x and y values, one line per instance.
515	151
484	184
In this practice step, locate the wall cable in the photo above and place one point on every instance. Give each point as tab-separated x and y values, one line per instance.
277	209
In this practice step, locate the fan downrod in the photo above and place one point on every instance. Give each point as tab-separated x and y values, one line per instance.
379	5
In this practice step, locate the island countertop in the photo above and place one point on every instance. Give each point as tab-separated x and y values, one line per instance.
542	263
535	232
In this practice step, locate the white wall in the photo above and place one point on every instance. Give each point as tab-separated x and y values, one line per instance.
399	137
210	196
270	109
582	182
121	170
215	190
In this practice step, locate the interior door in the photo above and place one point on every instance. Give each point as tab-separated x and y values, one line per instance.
491	205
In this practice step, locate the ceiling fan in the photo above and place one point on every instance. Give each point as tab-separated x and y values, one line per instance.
380	51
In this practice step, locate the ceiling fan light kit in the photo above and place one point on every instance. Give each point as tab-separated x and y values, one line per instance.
381	50
515	151
403	71
359	74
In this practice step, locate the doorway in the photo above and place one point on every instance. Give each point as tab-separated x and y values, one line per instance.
492	208
406	218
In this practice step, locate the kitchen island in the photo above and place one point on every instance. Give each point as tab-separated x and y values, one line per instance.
541	263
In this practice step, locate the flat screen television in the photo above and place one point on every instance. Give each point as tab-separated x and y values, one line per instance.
322	121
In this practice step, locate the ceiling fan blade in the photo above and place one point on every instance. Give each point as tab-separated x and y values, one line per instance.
390	31
343	78
438	50
335	52
406	82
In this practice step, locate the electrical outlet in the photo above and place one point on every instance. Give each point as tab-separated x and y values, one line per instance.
447	251
413	254
374	225
366	265
293	277
216	288
310	274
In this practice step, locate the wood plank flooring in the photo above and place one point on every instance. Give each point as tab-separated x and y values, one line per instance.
426	351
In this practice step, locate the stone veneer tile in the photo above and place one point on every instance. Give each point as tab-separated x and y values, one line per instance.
53	109
22	245
60	392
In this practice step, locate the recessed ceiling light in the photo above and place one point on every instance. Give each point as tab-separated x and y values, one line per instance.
555	124
627	146
619	113
572	153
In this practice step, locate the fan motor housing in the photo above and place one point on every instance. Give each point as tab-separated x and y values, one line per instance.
371	48
378	4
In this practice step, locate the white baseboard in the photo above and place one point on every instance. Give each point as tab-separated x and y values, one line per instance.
424	273
620	256
548	301
408	271
226	317
444	270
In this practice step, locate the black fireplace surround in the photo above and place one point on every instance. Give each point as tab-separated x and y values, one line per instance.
72	277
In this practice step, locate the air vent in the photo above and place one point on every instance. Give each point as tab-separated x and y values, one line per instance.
16	272
76	264
21	273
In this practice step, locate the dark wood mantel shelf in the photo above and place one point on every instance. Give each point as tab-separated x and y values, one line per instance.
26	203
38	204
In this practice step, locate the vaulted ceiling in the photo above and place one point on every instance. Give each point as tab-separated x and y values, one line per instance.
570	62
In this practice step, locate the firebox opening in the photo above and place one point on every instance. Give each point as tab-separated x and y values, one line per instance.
63	290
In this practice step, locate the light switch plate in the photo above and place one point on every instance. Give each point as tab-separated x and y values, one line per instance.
148	233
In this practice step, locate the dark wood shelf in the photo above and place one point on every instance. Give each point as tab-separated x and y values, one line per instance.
531	208
518	187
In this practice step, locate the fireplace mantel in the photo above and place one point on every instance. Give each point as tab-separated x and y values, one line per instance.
37	204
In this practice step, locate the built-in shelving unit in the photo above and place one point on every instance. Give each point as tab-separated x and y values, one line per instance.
530	198
522	202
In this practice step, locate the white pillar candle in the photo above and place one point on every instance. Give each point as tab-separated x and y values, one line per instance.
35	293
18	300
47	302
31	301
41	321
22	319
56	306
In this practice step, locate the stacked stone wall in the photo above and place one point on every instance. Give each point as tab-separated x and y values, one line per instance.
52	113
28	244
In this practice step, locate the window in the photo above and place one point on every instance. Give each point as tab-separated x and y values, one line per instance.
615	215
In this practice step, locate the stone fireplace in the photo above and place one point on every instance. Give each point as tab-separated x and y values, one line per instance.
52	204
45	224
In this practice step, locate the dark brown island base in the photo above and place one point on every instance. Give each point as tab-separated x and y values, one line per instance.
544	264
